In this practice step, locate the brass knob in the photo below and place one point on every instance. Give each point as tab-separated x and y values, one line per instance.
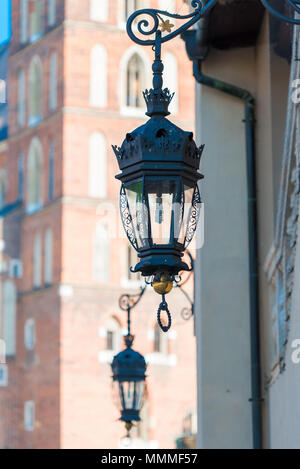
163	284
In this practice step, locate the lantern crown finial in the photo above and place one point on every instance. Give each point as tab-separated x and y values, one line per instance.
158	101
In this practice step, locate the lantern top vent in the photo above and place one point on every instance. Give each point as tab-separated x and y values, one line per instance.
129	365
159	140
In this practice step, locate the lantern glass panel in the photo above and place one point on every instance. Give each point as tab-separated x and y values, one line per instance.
163	197
187	201
140	393
138	212
128	395
117	395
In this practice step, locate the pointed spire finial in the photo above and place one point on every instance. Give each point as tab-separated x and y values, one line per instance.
158	99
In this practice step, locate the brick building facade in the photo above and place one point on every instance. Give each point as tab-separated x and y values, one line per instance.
75	82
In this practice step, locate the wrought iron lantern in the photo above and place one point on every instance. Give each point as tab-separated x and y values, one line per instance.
159	162
159	198
129	375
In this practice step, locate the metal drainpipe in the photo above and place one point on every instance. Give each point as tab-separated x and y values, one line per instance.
201	37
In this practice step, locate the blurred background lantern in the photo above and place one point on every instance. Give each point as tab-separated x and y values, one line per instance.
129	368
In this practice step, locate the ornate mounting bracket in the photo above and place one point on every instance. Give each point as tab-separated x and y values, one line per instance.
201	7
156	16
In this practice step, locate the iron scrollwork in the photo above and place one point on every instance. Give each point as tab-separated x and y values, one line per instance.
187	312
201	7
144	28
193	217
127	218
292	3
129	301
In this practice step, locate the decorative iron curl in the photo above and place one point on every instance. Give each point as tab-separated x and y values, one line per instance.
186	313
129	301
200	8
193	218
282	17
127	219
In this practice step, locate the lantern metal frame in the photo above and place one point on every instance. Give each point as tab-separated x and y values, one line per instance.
159	151
201	8
129	366
142	155
136	371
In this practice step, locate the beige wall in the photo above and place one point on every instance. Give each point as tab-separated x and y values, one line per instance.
222	293
222	322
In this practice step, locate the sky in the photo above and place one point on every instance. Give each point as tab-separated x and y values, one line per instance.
4	20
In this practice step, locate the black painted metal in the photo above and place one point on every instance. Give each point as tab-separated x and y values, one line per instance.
129	301
129	367
201	8
129	370
159	153
142	154
187	312
160	149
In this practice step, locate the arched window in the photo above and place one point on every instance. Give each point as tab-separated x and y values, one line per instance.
99	10
29	334
167	5
23	21
51	12
48	261
113	335
35	90
51	170
135	82
37	260
98	77
9	317
21	98
131	6
35	19
53	82
160	341
101	264
20	177
34	179
171	79
97	165
29	416
2	188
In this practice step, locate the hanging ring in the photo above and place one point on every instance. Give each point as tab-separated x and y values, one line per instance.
164	307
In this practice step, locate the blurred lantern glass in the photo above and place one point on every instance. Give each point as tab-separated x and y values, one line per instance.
129	377
129	398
